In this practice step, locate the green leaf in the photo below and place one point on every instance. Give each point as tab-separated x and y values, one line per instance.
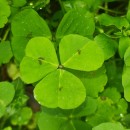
25	25
4	12
6	92
127	57
128	15
45	119
80	125
87	108
124	43
5	56
112	93
22	117
104	113
60	89
109	126
39	59
126	82
8	128
80	53
107	20
2	108
76	22
108	45
114	70
16	3
93	81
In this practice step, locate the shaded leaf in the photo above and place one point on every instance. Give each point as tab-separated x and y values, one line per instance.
4	12
108	45
6	92
5	56
76	22
107	20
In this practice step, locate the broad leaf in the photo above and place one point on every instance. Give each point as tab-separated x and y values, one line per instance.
93	81
38	62
2	108
104	113
6	92
22	117
5	56
112	93
124	43
108	45
60	89
107	20
80	53
126	83
127	57
4	12
76	22
87	108
109	126
25	25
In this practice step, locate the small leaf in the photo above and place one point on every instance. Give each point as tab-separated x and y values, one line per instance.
87	108
109	126
6	92
4	12
82	53
124	43
76	22
22	117
38	62
45	119
127	57
126	82
107	20
108	45
60	89
112	93
5	56
2	108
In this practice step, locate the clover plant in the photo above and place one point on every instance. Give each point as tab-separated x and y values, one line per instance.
64	65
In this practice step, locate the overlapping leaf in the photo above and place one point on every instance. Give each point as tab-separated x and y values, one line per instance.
76	22
6	92
5	56
26	25
108	45
4	12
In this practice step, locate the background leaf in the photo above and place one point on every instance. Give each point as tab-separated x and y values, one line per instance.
5	56
6	92
107	20
109	126
76	22
31	25
4	12
124	43
108	45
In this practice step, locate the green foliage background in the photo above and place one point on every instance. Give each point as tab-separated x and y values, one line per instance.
64	65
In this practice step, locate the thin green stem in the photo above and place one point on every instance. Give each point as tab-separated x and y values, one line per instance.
6	34
109	10
62	7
